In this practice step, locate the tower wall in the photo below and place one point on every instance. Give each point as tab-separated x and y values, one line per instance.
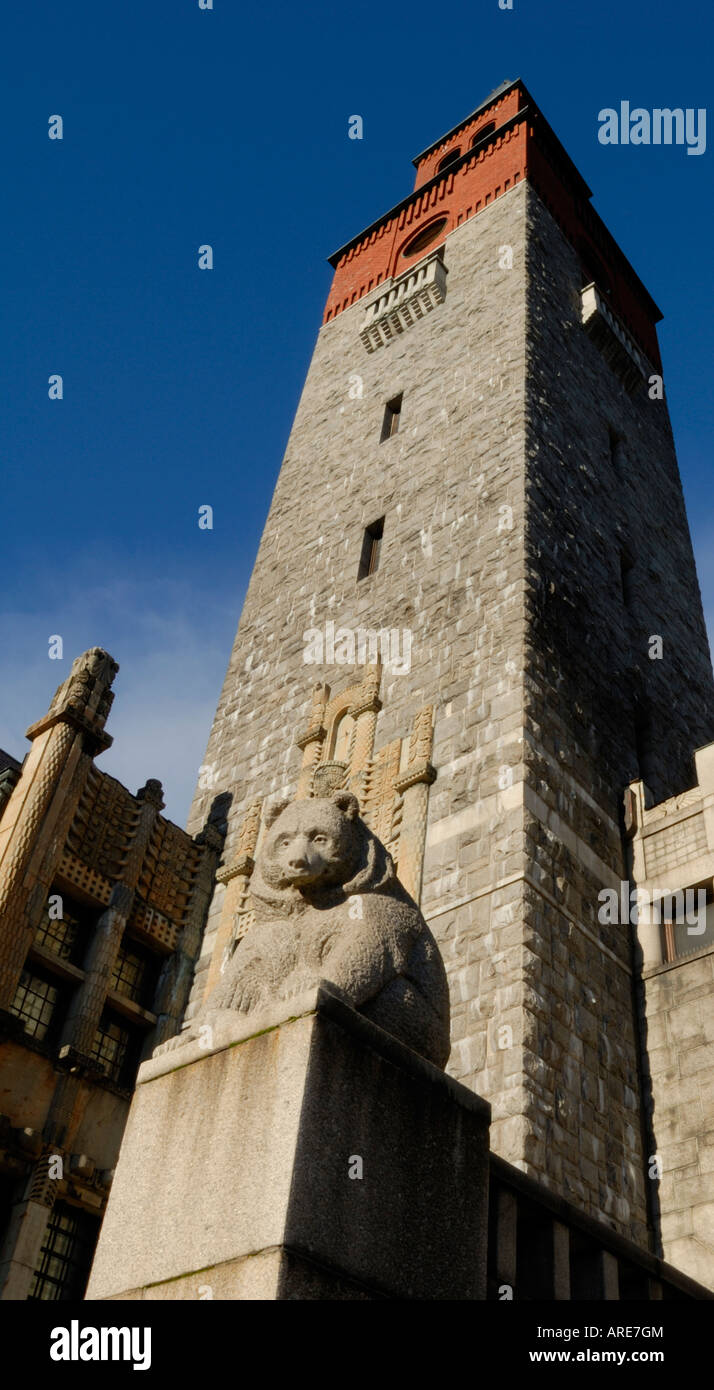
446	572
504	523
589	681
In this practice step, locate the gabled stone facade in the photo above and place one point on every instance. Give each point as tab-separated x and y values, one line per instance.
102	906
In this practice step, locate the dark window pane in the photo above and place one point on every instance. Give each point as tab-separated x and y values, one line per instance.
36	1000
65	935
134	974
390	423
66	1255
117	1048
371	546
485	130
448	159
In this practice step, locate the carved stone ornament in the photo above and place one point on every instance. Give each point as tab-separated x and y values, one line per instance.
329	777
83	700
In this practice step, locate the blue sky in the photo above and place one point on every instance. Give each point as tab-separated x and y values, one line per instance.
229	127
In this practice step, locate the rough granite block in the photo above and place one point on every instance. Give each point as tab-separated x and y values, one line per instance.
274	1123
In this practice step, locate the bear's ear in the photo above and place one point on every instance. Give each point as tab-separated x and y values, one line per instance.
273	810
347	803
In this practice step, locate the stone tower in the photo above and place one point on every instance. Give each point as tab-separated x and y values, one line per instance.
481	482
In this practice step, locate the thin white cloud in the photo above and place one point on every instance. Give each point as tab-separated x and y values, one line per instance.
172	655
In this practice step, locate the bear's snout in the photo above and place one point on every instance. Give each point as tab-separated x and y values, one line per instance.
300	858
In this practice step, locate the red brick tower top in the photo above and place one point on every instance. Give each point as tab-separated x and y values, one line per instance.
505	140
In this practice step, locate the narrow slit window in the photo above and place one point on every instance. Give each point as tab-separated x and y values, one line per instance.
617	456
643	741
627	578
390	423
371	546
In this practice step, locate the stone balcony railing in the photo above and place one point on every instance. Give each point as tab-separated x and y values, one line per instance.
541	1247
611	337
406	300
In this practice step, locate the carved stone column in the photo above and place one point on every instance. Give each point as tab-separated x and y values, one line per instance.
86	1008
364	711
236	877
40	810
413	787
312	740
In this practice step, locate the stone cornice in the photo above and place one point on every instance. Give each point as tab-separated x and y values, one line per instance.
371	706
315	734
244	865
423	773
95	739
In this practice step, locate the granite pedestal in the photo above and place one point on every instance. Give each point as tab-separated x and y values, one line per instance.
239	1173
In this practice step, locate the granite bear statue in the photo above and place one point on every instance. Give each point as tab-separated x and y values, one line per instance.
329	906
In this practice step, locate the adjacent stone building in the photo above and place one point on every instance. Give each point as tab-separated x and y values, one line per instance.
672	867
102	908
481	484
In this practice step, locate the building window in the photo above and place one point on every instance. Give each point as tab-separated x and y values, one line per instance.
116	1047
448	159
37	1002
371	545
424	238
66	936
390	423
694	929
627	569
66	1255
617	456
485	130
134	974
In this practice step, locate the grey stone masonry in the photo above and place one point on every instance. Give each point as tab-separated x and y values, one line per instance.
596	707
504	524
445	571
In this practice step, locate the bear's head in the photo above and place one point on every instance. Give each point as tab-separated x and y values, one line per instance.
313	843
319	845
